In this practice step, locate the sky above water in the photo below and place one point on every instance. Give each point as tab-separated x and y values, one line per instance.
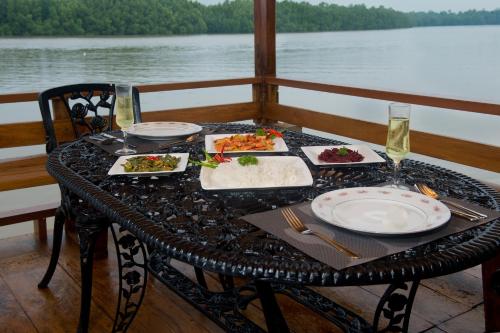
410	5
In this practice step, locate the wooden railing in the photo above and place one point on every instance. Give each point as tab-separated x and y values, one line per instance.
460	151
30	171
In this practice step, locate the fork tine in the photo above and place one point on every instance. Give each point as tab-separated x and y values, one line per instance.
299	226
287	214
294	221
295	218
287	219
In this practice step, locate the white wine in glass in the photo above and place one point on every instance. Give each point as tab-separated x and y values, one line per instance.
398	137
124	114
124	111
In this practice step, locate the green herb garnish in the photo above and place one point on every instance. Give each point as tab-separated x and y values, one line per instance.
248	160
260	132
343	151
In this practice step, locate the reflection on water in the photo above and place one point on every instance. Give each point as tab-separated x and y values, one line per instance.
456	62
36	64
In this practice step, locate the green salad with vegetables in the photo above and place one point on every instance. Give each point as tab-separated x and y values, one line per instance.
151	163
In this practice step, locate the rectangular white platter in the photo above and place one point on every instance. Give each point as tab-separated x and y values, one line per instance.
279	144
270	172
370	156
117	168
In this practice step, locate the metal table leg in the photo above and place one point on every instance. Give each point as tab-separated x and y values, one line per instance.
396	307
133	274
87	235
274	318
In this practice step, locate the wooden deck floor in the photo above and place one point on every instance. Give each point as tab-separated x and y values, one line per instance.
447	304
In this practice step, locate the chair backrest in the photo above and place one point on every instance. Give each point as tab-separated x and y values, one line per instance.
83	104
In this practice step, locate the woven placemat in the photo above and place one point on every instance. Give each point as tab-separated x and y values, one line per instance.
367	246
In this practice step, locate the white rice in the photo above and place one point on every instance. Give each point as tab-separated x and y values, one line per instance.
271	171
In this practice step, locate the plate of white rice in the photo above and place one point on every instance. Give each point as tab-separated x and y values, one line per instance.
269	172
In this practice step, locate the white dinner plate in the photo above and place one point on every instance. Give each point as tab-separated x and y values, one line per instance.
270	172
117	168
380	210
312	153
163	130
279	144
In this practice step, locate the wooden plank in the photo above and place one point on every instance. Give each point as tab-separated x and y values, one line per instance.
33	96
460	151
12	317
32	133
24	172
144	88
18	97
461	287
27	213
440	102
163	312
468	322
434	307
216	113
21	245
55	309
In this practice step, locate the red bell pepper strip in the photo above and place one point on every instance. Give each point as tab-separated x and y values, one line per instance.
274	132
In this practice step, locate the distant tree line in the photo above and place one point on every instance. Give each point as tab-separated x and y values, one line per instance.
166	17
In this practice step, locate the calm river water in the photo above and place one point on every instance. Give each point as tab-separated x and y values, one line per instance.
456	62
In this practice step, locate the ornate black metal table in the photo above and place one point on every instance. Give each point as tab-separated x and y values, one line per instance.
174	218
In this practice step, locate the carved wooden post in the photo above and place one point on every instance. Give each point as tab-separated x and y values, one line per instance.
265	53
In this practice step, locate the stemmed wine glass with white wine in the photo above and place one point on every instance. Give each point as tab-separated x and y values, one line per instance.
124	114
398	138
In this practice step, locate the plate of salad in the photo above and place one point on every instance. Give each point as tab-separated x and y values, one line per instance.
149	164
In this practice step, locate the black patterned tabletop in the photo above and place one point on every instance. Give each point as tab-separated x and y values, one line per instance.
175	217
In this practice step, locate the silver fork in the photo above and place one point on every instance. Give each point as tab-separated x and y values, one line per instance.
298	226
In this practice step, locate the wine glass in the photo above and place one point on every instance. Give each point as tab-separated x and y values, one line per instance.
124	114
398	138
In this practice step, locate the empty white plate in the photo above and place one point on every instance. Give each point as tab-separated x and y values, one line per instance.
380	210
163	130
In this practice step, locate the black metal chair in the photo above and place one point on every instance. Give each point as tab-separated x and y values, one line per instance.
84	111
89	107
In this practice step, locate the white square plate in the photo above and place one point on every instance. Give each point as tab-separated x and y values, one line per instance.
279	144
312	153
270	172
117	168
